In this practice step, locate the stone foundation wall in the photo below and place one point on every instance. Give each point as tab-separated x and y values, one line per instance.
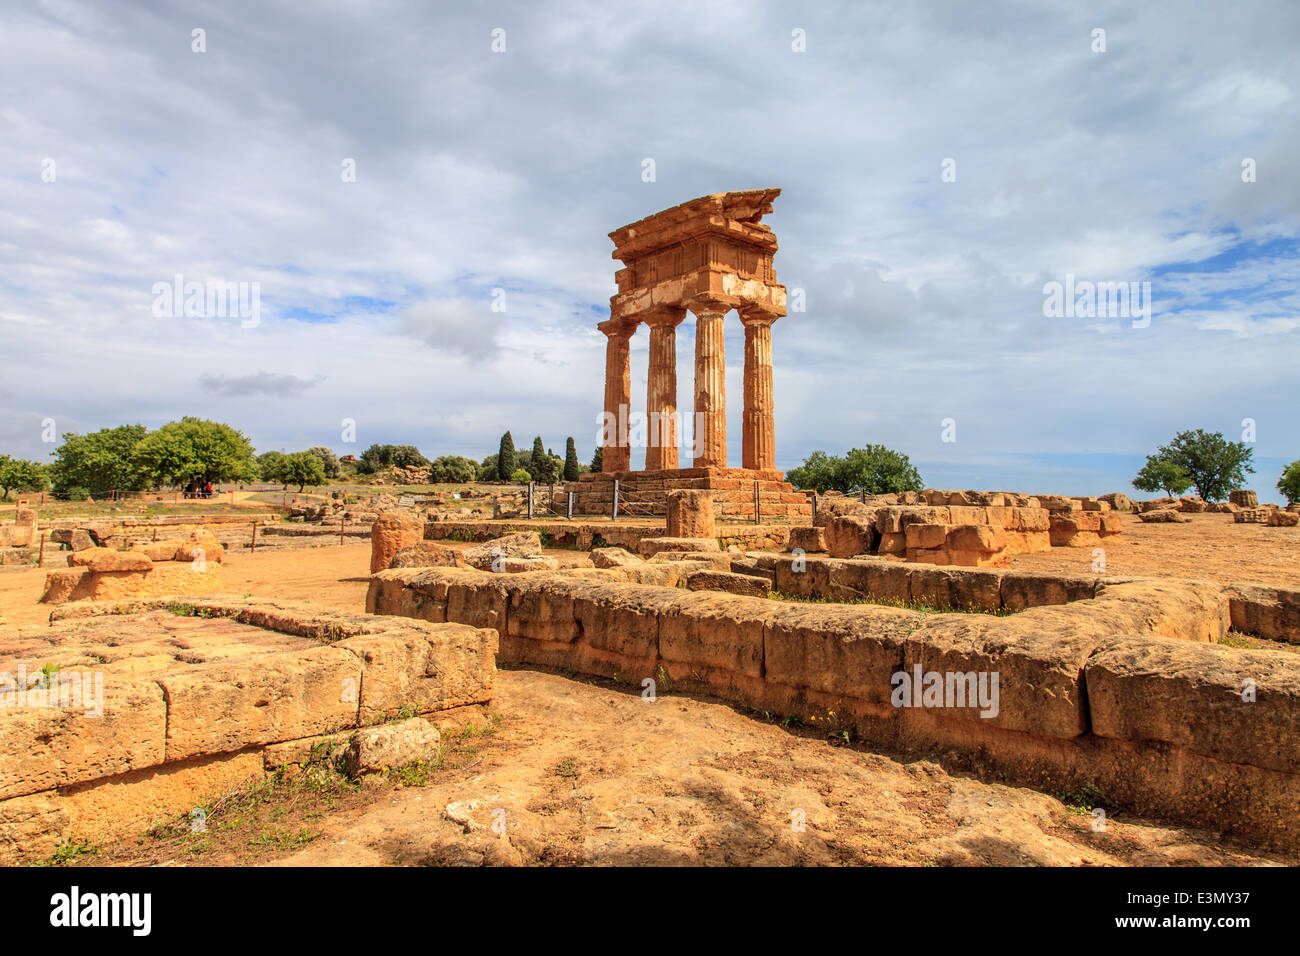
645	493
1123	689
166	741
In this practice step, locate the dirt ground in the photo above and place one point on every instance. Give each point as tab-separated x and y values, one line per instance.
1210	547
581	771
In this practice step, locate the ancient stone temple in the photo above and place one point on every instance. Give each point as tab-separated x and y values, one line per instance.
706	257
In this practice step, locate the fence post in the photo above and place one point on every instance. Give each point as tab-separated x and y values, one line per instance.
531	485
756	505
814	504
570	508
864	494
613	515
253	546
343	521
40	557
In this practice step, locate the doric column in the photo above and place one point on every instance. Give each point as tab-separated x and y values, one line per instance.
710	382
616	454
661	387
758	439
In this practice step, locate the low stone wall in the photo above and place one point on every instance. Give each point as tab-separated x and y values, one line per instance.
1271	613
586	535
173	734
1123	689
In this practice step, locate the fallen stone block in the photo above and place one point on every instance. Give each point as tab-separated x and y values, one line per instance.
727	581
382	748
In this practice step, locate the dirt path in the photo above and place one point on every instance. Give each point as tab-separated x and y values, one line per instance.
585	774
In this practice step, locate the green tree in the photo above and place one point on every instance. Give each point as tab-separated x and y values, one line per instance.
304	468
273	466
598	460
487	469
194	449
19	474
571	465
520	477
875	469
452	469
1289	483
542	466
378	457
329	461
98	462
506	458
1162	474
816	473
1214	465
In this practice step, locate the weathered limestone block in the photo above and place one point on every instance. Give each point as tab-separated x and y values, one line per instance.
1251	516
1026	589
921	536
649	547
168	577
1283	519
492	555
391	532
1243	498
1191	505
382	748
427	554
1191	695
614	558
1162	515
1159	504
848	651
690	514
728	581
106	559
810	540
1038	658
43	746
431	668
1268	612
831	507
1118	501
217	708
956	590
850	534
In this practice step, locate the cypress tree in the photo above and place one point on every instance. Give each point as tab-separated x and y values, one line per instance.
506	458
598	460
570	461
539	465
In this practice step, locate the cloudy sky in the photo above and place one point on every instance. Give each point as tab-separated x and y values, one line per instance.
129	157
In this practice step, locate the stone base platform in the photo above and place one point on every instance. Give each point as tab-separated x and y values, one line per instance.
645	493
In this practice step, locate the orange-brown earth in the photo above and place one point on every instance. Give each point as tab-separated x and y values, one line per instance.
1210	547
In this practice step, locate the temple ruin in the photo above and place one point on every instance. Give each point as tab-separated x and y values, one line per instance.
708	257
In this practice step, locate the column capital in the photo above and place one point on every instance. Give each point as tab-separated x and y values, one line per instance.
617	327
663	316
708	303
752	314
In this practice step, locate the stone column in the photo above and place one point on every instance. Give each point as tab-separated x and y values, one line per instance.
661	387
616	455
710	383
758	435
